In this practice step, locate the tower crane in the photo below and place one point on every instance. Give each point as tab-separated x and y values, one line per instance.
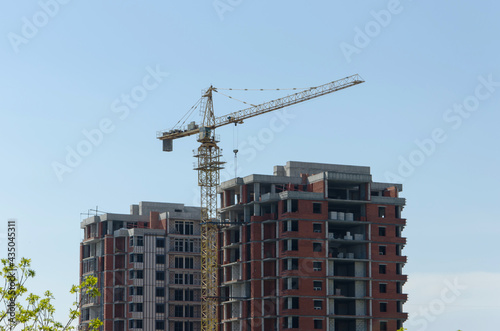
209	166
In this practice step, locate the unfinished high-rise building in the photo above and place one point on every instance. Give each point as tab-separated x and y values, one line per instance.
312	247
148	268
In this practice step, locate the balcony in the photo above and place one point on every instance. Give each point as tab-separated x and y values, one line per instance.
347	256
347	236
88	301
89	265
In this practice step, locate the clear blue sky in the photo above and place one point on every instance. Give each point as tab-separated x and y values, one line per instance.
426	66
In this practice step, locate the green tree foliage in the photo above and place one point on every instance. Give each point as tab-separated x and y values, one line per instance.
21	310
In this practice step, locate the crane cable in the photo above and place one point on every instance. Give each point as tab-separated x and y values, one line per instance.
188	114
235	149
266	89
251	104
230	97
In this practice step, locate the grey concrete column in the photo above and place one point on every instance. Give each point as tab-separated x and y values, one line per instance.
256	189
246	214
256	209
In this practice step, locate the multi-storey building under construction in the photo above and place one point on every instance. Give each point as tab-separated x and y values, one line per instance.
312	247
148	267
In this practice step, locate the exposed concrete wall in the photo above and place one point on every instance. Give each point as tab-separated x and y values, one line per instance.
294	168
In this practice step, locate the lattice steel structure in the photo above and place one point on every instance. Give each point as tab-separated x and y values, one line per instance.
209	166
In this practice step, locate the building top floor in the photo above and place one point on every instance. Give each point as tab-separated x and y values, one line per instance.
151	218
142	213
311	181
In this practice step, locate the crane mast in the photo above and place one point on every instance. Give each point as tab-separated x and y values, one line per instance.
209	165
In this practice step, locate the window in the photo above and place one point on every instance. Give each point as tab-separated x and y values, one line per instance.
179	262
184	245
295	206
318	304
160	259
190	245
160	308
160	292
178	295
291	245
317	266
119	294
136	306
316	247
382	288
137	241
160	242
397	211
184	227
381	231
189	279
316	208
291	303
382	268
291	322
85	315
398	250
398	231
179	245
189	295
383	326
179	311
159	325
188	228
138	258
178	279
381	212
184	262
290	264
383	307
399	307
317	285
189	311
381	250
184	279
317	227
179	227
136	274
399	288
291	283
160	275
290	225
135	324
138	290
398	269
318	324
178	326
189	263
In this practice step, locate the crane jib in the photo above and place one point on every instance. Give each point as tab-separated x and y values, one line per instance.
288	100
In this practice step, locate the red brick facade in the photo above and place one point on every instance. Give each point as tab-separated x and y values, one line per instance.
313	251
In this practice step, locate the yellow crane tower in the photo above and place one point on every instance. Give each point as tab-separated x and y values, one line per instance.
209	166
